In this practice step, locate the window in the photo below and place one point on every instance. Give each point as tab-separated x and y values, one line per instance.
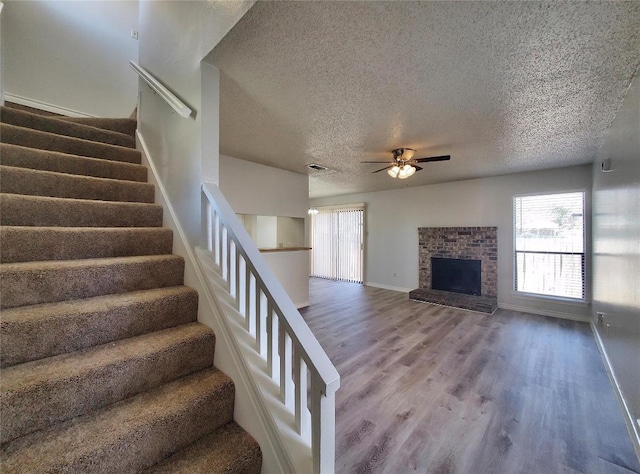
337	243
549	234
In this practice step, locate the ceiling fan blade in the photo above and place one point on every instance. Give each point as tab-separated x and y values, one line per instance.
433	158
375	162
382	169
418	168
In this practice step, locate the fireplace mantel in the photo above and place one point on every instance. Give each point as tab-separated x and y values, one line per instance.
465	243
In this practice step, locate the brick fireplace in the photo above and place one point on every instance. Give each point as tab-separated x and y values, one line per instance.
464	243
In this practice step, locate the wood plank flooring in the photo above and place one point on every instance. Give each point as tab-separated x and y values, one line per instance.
439	390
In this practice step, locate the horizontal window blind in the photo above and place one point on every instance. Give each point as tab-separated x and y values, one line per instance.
337	243
549	244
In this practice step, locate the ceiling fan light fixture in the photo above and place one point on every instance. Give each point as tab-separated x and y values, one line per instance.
393	172
410	171
404	172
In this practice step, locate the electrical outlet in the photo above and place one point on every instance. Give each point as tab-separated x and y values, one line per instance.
134	33
600	319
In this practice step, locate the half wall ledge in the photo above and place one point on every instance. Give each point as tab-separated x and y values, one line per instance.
481	304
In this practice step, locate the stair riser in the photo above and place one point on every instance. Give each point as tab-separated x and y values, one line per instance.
45	183
126	126
228	449
55	400
22	287
52	125
17	210
74	146
27	244
150	435
23	157
23	339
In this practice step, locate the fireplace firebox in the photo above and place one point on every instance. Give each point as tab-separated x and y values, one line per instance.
456	275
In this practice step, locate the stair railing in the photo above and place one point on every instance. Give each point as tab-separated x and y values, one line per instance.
159	88
281	335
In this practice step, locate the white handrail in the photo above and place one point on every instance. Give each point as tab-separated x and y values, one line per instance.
168	96
280	333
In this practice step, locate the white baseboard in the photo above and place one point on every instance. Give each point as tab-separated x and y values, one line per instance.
250	411
387	287
544	312
36	104
632	424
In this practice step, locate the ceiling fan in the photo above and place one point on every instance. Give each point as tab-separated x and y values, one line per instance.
404	165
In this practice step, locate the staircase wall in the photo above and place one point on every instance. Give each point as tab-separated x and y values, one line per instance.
78	54
173	51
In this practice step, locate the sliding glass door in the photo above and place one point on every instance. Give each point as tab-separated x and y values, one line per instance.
337	240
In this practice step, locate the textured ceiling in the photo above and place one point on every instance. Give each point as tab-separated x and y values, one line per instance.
503	87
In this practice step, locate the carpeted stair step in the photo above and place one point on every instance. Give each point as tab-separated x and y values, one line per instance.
228	449
22	210
122	125
32	283
45	160
74	146
48	183
26	243
25	119
38	394
131	435
38	331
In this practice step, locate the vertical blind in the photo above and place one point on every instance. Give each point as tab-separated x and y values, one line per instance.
337	240
549	244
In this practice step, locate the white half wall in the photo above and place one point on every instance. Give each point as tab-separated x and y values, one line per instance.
393	217
252	188
71	56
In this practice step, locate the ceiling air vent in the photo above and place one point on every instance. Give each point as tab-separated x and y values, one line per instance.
316	167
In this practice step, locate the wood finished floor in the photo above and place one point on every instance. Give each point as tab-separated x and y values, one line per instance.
432	389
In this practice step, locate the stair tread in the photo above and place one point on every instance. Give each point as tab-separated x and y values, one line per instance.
31	138
42	330
47	160
82	381
50	124
153	421
228	449
25	181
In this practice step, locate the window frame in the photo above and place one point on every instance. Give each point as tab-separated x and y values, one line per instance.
585	249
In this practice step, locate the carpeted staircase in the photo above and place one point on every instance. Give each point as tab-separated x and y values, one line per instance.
104	367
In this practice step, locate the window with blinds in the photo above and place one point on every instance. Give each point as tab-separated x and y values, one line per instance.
337	241
550	244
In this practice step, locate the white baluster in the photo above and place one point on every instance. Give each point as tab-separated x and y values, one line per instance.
301	409
323	427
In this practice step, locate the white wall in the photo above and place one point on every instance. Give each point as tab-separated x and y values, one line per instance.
252	188
72	55
393	217
616	246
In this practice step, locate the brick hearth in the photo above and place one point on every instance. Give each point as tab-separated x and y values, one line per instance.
466	243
